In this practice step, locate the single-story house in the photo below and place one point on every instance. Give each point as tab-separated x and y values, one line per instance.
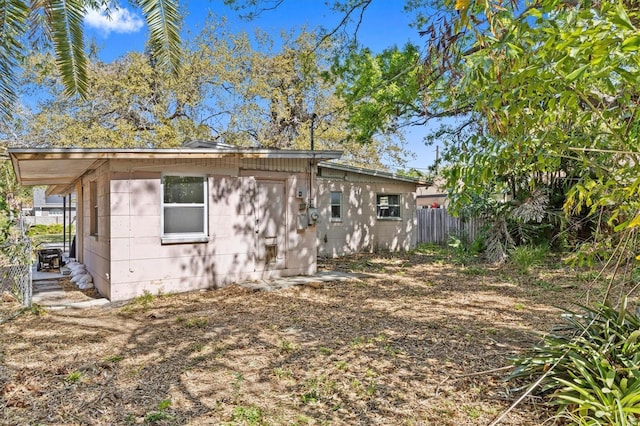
171	220
364	210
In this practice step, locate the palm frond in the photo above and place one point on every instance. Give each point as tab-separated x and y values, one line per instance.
533	209
163	20
65	20
13	16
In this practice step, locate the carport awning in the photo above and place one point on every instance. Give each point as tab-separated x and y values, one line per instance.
48	172
60	168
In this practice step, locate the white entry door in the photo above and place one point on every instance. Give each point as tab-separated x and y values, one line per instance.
271	220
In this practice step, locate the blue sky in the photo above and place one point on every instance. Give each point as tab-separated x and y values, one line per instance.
384	24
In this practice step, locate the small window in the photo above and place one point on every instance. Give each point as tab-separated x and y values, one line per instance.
184	210
336	206
53	199
93	212
388	206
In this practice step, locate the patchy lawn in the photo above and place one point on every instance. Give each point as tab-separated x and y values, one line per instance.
415	340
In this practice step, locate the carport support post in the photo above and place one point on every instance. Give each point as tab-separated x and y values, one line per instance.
70	222
64	222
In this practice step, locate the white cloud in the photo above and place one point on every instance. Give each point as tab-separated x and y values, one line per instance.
121	21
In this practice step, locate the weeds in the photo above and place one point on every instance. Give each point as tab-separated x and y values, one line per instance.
73	377
317	387
34	309
146	298
472	412
251	415
526	257
357	342
371	389
547	285
311	395
287	346
164	404
160	414
464	251
473	271
237	383
588	276
391	351
197	322
438	252
281	373
114	358
325	351
342	365
140	303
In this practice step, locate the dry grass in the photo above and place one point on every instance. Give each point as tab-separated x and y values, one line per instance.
409	343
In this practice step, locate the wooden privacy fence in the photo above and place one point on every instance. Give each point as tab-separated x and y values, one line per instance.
435	226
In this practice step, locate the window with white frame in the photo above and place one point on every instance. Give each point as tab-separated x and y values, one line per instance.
388	206
336	205
184	208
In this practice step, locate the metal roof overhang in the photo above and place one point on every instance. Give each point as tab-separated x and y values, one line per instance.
61	168
371	172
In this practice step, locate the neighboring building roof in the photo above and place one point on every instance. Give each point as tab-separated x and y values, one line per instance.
378	173
63	166
437	188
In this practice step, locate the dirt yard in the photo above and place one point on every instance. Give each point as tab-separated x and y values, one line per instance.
415	340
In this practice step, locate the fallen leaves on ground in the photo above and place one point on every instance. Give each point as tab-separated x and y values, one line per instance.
415	339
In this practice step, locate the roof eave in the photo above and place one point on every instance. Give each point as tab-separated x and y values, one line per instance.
25	160
377	173
99	153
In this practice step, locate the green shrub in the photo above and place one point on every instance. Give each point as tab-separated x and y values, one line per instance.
430	249
526	257
42	234
40	229
464	251
590	366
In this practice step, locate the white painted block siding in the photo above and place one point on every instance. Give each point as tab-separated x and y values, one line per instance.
95	250
128	258
359	230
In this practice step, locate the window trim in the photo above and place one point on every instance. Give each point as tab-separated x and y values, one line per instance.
185	237
94	217
399	205
331	205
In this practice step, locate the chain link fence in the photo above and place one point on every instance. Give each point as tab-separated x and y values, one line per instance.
16	268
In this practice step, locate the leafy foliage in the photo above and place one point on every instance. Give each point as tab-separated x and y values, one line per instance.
230	88
526	256
65	20
61	23
552	105
543	94
11	198
13	17
589	367
40	229
381	91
